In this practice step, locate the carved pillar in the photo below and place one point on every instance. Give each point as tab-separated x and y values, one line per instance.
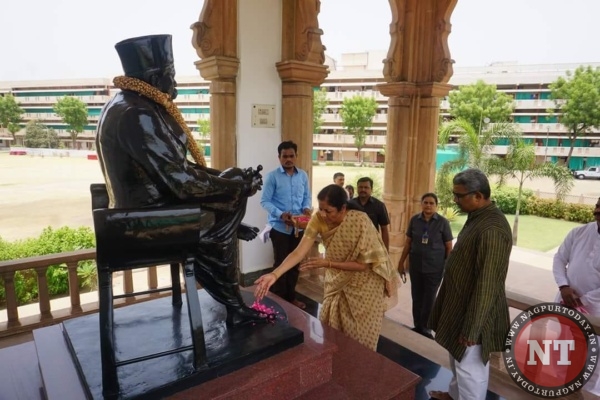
300	70
215	41
416	70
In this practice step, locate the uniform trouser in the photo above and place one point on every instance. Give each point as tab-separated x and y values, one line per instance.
470	376
423	288
283	245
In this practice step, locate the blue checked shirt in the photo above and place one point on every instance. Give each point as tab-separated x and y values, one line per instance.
284	193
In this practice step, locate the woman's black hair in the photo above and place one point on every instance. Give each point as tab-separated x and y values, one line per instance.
337	197
432	195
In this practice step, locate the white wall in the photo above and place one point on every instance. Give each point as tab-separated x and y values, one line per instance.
259	48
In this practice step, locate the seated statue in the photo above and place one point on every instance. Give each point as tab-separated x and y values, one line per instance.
142	146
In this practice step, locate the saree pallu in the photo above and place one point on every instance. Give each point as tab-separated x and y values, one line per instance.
354	300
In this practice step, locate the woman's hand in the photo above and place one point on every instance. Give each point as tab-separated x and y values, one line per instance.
314	262
389	288
263	284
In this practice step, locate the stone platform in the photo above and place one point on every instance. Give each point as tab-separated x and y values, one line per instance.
356	373
156	327
328	365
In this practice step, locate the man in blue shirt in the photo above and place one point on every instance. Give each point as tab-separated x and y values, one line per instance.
286	193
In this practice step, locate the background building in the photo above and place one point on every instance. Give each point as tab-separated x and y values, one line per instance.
354	74
37	99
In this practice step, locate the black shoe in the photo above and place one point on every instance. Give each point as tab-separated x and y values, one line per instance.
423	332
428	335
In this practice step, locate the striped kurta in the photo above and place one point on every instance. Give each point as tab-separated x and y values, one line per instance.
472	300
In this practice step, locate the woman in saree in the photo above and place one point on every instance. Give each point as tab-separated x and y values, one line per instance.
358	270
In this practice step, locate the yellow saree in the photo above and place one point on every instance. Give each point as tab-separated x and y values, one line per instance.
354	300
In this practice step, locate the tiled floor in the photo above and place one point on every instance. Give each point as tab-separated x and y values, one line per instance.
434	376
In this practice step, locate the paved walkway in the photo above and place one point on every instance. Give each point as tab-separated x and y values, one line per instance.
530	274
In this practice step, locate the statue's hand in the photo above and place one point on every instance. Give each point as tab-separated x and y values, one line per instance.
253	180
247	232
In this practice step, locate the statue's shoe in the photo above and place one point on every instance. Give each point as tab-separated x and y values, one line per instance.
245	315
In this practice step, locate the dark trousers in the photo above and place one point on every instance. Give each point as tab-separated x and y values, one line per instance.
284	244
423	287
216	266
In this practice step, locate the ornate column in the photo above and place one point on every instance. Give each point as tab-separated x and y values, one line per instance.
300	70
416	70
215	41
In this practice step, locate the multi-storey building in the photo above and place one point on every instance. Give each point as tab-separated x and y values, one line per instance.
354	74
37	99
528	85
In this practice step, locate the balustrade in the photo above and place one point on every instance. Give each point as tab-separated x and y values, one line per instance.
15	323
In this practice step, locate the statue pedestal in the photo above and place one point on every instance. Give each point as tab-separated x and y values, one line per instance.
155	327
328	364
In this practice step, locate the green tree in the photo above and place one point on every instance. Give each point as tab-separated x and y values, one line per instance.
357	114
520	164
577	99
73	113
204	128
474	150
320	103
38	135
10	114
479	101
474	145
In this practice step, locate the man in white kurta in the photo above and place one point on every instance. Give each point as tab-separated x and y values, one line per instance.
577	273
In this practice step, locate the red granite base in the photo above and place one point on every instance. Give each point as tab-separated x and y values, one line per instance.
328	365
286	375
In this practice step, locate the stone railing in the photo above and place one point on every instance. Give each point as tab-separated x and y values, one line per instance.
522	302
46	316
16	324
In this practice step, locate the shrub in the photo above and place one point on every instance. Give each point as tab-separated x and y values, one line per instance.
547	208
88	275
50	241
506	199
579	213
443	190
552	208
450	213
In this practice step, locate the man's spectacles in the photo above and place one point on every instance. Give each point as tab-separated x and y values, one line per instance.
461	195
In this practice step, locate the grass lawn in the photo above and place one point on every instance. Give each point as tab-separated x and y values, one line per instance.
535	233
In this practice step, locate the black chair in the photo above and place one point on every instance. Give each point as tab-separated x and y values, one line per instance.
137	238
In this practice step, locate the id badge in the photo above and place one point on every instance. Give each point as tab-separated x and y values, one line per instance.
424	240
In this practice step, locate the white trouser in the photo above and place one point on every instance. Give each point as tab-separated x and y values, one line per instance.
469	376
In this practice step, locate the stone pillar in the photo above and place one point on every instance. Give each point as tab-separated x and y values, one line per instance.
215	41
298	80
300	70
222	73
416	71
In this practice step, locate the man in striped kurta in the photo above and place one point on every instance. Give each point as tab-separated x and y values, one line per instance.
470	316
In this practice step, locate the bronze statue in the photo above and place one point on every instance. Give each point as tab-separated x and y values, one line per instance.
142	147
